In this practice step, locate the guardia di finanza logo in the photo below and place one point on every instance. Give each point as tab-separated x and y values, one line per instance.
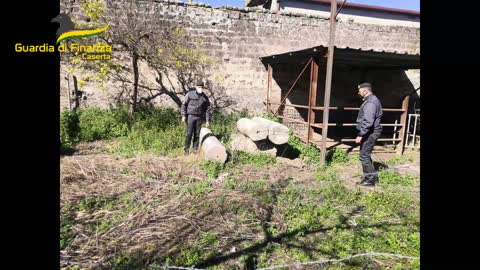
66	31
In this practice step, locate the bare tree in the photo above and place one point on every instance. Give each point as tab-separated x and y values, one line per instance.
176	60
162	44
131	24
137	28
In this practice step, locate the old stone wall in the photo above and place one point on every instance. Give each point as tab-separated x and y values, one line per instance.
236	38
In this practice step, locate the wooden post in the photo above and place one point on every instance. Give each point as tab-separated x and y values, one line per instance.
269	86
328	80
312	99
403	121
309	105
68	94
75	95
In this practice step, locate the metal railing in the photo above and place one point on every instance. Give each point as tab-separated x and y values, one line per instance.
412	137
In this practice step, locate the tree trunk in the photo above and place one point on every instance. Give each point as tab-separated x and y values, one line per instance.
165	91
174	97
135	81
75	94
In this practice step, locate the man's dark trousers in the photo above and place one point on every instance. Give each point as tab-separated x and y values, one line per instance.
194	123
366	147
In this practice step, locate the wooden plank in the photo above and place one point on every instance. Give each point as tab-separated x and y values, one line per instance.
293	120
291	105
403	121
313	99
294	83
320	108
385	110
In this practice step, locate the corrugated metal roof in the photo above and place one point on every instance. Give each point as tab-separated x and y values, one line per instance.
354	57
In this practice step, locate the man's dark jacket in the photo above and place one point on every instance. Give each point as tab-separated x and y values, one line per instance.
369	116
196	104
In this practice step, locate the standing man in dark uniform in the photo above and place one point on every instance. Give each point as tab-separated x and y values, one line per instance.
194	109
369	129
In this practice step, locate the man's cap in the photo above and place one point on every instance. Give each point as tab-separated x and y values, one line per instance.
362	85
199	82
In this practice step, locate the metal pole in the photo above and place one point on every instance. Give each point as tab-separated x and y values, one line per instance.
328	82
414	130
408	128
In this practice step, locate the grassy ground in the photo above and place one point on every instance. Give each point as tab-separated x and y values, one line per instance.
130	198
254	212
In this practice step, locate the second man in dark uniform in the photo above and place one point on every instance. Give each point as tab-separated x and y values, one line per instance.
369	130
195	108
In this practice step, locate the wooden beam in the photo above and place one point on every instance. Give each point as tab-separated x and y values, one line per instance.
269	86
309	105
403	121
293	120
294	83
291	105
314	88
320	108
357	109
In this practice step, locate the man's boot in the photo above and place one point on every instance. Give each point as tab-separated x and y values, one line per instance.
362	180
368	183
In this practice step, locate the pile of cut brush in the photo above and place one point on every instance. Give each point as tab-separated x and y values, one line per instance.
144	205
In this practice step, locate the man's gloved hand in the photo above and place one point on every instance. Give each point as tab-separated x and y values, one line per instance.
207	124
183	119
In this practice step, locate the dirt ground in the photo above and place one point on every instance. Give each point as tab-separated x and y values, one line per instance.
151	187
